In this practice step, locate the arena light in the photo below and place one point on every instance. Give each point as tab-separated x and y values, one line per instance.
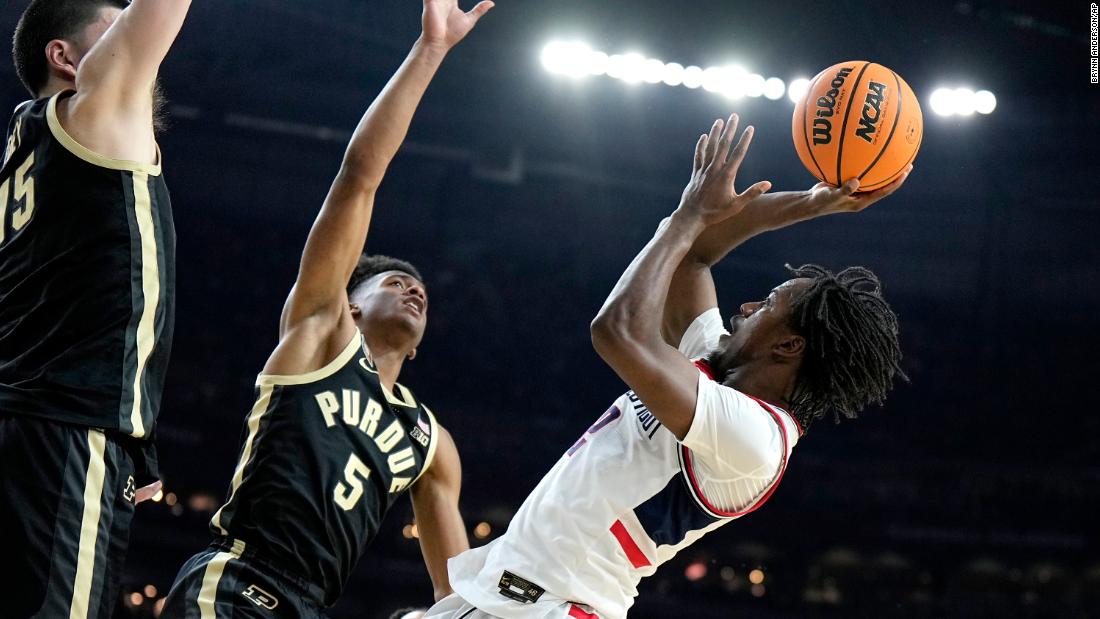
673	74
797	88
962	102
774	88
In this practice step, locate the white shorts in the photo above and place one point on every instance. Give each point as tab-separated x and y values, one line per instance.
454	607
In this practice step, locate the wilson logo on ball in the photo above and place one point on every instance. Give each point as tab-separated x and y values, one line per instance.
826	107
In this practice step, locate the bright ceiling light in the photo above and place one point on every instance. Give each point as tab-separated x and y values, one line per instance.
693	77
798	88
943	101
984	102
754	85
774	88
673	74
654	72
634	68
964	101
566	58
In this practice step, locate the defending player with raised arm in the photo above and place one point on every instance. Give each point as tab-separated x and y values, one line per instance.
334	440
706	431
87	283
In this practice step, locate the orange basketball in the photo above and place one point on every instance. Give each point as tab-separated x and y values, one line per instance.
859	120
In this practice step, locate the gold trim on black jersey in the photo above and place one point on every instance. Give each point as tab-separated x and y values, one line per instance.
354	345
85	153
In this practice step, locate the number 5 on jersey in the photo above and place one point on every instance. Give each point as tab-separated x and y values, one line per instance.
355	473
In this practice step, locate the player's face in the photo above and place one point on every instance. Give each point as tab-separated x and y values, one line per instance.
759	327
395	303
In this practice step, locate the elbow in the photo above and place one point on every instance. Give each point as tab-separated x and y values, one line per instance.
608	334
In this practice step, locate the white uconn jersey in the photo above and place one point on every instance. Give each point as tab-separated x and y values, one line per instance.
627	497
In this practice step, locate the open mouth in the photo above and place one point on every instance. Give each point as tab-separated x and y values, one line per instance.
415	305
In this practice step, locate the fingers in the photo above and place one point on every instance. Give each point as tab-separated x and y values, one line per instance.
878	194
740	150
481	9
849	187
700	153
712	141
727	138
756	191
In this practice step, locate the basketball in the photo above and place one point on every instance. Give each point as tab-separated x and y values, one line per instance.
859	120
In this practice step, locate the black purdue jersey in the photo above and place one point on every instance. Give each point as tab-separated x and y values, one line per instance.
87	258
325	455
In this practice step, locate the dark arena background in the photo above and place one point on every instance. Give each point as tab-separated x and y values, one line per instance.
524	190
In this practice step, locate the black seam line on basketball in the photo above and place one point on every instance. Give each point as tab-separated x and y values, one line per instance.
844	125
897	115
806	132
881	184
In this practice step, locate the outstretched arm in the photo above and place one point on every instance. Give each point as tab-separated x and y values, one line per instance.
435	507
112	112
316	311
692	289
627	331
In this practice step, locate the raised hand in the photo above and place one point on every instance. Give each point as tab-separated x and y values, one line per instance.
711	194
827	199
445	24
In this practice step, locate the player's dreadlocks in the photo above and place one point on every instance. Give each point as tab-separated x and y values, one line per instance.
852	353
369	266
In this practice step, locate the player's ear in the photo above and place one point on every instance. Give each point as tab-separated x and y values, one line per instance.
790	347
356	311
411	355
62	58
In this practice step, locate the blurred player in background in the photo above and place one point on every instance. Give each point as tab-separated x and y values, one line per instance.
334	440
706	431
87	284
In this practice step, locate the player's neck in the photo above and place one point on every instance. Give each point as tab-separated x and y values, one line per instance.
53	87
388	362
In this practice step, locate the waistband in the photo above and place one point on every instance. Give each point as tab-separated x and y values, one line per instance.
301	585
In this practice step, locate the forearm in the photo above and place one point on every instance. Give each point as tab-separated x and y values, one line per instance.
385	124
770	211
636	305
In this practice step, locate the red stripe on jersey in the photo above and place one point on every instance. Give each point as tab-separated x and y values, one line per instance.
705	368
630	547
698	492
577	613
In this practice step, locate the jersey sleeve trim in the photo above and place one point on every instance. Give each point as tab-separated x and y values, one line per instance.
88	155
431	446
355	345
684	455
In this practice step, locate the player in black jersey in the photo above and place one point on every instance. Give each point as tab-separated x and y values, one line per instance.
87	251
333	439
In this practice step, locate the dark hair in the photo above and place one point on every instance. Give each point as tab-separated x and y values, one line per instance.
44	21
852	352
369	266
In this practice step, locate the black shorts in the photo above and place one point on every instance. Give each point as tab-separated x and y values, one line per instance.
66	502
228	581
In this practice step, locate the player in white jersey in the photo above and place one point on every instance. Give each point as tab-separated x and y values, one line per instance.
708	427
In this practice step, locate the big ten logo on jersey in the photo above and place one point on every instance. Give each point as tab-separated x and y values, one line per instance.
17	189
647	423
354	415
260	598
